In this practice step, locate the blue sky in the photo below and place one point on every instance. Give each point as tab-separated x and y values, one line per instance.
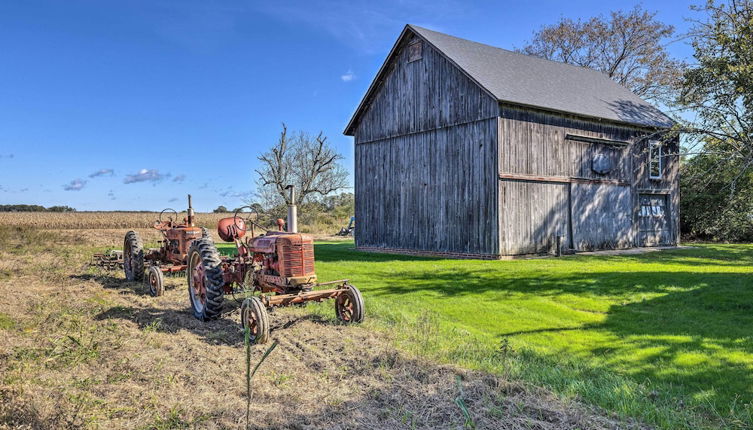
131	104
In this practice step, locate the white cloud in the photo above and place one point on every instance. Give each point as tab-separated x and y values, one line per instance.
74	185
349	76
179	178
145	175
102	172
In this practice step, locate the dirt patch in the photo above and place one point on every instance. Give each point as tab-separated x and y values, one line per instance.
81	348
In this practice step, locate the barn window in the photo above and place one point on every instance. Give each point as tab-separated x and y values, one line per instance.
415	51
653	205
655	160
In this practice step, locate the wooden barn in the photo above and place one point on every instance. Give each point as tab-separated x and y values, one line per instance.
464	149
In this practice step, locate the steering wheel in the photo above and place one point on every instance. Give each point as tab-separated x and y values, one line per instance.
168	218
249	220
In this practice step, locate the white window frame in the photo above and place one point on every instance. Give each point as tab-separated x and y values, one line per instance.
651	146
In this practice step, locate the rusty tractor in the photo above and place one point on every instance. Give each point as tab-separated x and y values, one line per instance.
273	269
170	257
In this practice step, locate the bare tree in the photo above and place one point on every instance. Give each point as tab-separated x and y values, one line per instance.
627	46
307	162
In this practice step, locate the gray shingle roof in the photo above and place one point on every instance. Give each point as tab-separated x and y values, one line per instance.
522	79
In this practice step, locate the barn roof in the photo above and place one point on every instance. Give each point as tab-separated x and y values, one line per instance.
520	79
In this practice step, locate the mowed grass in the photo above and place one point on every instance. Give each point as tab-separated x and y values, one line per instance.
664	336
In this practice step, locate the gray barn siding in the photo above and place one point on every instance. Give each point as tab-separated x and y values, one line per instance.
602	216
426	161
530	225
534	143
422	95
668	185
602	209
417	191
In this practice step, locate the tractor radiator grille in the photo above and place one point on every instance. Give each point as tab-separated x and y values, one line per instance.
298	259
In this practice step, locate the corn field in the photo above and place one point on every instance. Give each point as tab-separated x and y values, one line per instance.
314	223
89	220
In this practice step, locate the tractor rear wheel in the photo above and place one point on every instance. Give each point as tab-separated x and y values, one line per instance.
349	306
205	283
133	257
156	281
255	318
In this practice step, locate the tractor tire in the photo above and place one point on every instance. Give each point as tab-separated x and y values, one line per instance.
156	281
349	306
205	233
254	317
204	266
133	257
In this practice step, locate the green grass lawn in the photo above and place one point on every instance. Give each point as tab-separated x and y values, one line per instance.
662	336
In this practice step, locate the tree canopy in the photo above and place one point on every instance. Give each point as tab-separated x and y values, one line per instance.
630	47
717	95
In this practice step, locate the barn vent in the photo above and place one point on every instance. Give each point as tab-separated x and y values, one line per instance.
415	50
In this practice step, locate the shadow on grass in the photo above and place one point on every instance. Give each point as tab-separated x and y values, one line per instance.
139	288
225	330
701	255
111	282
330	252
690	332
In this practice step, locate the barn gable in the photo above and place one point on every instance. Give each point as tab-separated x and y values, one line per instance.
435	103
421	126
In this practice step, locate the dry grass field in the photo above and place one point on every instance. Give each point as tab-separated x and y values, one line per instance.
82	348
97	220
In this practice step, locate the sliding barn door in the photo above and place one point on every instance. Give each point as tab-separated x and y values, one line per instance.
653	222
601	216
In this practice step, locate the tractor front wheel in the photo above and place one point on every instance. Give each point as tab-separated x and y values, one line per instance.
255	318
133	257
205	283
349	306
156	281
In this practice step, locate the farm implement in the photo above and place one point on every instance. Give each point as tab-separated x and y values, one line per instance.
270	270
170	257
110	260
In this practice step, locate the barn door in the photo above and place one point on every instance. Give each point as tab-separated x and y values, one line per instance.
653	222
600	216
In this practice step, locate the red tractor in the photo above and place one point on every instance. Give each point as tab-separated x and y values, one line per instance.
272	269
170	257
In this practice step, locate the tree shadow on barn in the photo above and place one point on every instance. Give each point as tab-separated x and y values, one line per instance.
631	112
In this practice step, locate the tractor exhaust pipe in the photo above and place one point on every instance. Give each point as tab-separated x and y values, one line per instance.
190	212
292	211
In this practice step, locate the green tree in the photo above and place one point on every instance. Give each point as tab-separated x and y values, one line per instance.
717	203
220	209
60	209
717	93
